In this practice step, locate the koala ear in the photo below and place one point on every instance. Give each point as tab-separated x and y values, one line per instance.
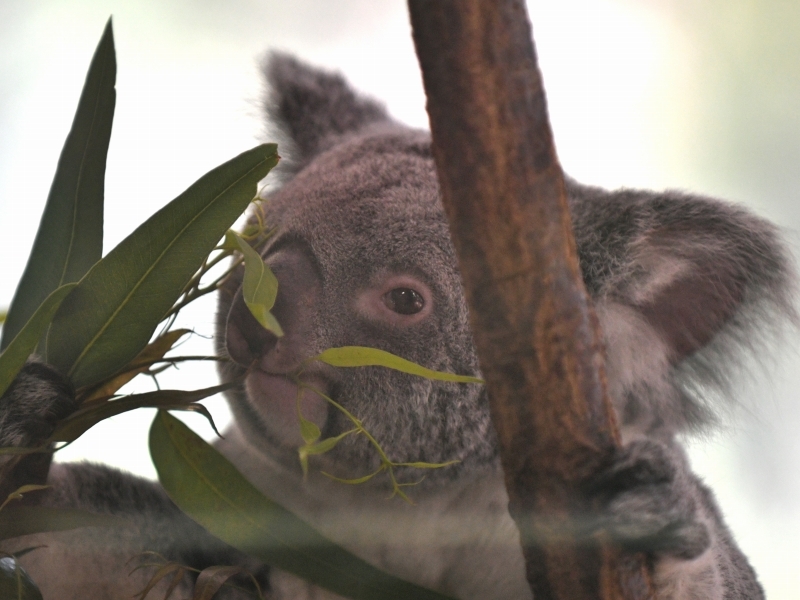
682	285
310	107
687	266
708	267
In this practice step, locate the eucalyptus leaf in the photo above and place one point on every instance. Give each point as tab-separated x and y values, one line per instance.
177	571
360	356
316	448
111	315
144	360
309	430
17	520
74	426
211	579
22	346
208	488
70	236
260	286
325	445
20	492
357	480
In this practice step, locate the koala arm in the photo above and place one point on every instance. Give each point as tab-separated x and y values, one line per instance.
650	501
684	287
29	410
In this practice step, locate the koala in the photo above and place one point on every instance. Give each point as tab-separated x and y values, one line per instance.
683	287
680	283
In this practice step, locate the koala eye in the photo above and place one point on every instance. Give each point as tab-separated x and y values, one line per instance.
404	301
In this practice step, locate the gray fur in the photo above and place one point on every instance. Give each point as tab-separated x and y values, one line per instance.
681	284
97	563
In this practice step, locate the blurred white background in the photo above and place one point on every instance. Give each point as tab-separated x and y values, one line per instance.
654	93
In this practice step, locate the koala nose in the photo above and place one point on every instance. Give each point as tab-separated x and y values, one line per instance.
246	340
299	288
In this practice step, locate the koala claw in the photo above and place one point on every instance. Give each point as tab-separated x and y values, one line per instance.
647	501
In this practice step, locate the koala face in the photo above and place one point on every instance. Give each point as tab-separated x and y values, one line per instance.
373	267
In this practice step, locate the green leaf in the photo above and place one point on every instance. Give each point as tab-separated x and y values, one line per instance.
211	579
16	520
15	583
426	465
360	356
112	313
21	347
176	570
70	236
319	448
143	361
208	488
260	286
357	480
308	430
20	492
326	444
88	416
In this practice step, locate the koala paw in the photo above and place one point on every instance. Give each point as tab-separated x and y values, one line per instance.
647	501
33	404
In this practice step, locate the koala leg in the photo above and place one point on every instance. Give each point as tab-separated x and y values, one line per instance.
649	501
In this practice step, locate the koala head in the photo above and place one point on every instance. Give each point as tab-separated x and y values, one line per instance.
363	257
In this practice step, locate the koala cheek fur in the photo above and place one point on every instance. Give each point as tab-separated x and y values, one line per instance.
682	284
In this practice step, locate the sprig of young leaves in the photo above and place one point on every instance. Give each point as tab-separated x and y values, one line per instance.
209	580
360	356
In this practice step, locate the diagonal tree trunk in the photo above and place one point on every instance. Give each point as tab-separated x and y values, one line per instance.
536	333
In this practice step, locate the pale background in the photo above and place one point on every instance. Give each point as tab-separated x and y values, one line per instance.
691	94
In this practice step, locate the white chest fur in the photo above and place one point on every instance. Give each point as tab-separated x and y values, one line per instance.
460	540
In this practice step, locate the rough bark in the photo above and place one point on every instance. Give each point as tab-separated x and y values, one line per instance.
537	336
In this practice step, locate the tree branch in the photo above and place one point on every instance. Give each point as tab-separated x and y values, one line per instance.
537	336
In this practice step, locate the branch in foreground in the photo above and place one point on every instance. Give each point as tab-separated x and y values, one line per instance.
537	336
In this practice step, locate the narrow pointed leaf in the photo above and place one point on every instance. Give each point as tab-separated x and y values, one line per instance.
357	480
70	236
21	347
308	430
152	352
319	448
360	356
16	520
426	465
326	444
211	579
208	488
177	571
85	418
260	286
116	307
20	492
